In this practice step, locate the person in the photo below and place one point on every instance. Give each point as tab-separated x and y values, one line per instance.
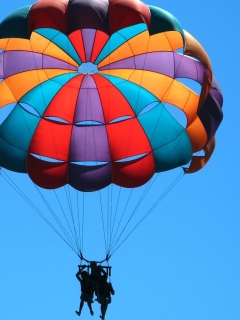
95	275
87	289
105	289
96	271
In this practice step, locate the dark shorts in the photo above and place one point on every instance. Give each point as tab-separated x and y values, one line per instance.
86	297
105	300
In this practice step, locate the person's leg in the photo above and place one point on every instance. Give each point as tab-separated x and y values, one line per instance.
103	309
89	302
80	307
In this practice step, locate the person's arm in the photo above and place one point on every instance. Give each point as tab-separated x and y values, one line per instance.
79	272
111	288
78	275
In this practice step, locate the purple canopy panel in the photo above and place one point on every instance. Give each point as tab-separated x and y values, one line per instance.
53	63
186	67
20	61
88	40
161	62
89	107
128	63
89	143
1	65
89	178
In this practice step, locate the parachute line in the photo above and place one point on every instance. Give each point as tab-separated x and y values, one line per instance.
120	221
156	203
30	203
103	225
54	215
71	212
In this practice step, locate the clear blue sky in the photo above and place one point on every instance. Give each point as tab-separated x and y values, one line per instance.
183	262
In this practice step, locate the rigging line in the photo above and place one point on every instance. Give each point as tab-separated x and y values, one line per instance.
149	186
120	221
83	216
144	194
68	196
15	187
103	224
166	192
27	200
79	224
153	207
110	215
115	214
54	215
63	212
111	211
30	203
108	219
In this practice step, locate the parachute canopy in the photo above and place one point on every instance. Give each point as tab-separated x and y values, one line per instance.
95	92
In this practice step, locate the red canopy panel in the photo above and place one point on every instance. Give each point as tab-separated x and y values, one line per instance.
63	104
134	173
48	14
51	140
114	104
48	175
127	139
125	13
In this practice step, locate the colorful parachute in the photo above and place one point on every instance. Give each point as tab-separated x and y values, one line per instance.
93	90
96	93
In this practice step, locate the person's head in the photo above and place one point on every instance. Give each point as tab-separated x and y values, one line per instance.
93	264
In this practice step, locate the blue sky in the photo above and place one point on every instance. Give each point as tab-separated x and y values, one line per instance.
183	262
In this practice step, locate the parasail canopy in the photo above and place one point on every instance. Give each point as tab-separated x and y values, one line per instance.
100	92
93	84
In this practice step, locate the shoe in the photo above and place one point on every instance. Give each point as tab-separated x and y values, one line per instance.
78	313
102	317
91	313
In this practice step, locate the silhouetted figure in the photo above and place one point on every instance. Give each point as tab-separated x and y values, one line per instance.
87	289
105	289
95	275
96	270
